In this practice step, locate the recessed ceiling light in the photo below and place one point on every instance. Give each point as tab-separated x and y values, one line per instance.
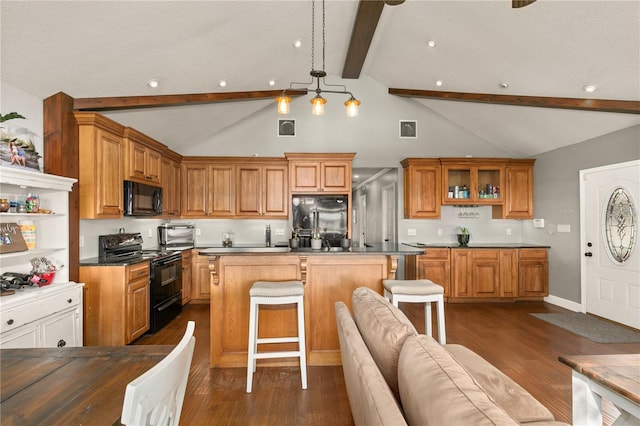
222	83
272	83
590	88
439	83
297	43
431	43
152	83
503	85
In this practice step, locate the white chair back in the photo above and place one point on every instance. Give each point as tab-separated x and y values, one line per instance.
155	398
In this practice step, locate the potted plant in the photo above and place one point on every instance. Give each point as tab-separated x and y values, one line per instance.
294	241
463	236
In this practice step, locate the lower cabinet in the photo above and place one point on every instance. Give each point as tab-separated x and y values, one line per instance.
484	273
187	275
47	317
117	303
201	285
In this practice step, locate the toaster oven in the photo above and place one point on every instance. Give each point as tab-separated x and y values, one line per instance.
176	236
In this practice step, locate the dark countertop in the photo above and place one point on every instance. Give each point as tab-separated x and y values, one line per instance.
378	248
95	261
476	245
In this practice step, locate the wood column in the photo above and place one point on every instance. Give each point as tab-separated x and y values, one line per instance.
61	157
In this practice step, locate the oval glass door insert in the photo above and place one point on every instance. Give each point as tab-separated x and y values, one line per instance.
620	224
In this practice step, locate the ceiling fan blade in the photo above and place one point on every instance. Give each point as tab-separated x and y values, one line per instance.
515	4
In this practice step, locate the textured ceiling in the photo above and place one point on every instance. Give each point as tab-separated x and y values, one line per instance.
550	48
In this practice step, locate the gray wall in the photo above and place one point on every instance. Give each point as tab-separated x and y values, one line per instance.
557	200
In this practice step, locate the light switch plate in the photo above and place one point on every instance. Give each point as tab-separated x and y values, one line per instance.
538	223
564	228
439	232
412	231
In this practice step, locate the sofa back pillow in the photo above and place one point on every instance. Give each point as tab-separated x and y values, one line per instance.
384	328
370	398
435	389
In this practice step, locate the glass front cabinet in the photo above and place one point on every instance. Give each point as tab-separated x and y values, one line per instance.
473	181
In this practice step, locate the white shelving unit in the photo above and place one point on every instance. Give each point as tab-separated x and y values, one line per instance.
46	316
52	229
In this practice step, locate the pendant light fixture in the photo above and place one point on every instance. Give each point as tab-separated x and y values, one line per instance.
317	103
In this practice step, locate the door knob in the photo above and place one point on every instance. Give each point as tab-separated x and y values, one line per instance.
588	254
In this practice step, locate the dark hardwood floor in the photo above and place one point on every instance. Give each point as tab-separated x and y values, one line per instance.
520	345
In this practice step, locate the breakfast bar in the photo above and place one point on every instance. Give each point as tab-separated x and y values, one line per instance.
328	277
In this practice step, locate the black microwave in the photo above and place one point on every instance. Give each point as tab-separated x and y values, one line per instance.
141	199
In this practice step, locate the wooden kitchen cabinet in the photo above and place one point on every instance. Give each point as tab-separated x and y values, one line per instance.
422	188
434	265
311	173
475	273
461	281
518	202
201	285
117	303
262	189
101	166
208	189
187	275
483	179
143	158
533	272
509	273
170	180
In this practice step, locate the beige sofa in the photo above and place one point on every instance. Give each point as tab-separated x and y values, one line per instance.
395	376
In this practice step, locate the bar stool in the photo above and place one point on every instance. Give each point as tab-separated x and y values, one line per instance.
275	293
419	291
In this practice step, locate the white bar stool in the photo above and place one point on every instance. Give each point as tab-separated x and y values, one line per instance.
419	291
275	293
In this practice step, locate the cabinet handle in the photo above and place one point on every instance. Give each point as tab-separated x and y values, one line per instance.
62	343
10	322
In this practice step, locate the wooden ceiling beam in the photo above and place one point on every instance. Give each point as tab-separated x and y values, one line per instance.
603	105
157	101
364	27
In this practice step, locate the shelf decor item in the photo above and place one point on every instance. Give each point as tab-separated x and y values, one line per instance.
11	239
463	236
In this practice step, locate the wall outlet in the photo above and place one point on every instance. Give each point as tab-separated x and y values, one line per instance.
198	232
508	231
280	231
538	223
439	232
81	242
412	231
150	233
564	228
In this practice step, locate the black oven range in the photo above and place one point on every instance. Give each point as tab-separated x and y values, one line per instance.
165	282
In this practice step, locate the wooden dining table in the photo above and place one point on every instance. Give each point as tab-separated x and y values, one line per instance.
70	386
613	377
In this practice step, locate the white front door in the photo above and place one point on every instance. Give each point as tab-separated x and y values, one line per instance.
610	287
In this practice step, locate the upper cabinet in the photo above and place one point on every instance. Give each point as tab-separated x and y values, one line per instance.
143	159
101	171
170	181
208	188
422	184
311	173
476	181
262	189
518	203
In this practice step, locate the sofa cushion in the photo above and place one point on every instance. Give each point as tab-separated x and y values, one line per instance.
370	398
384	328
435	389
509	395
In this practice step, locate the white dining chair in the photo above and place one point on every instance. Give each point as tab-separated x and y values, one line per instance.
155	397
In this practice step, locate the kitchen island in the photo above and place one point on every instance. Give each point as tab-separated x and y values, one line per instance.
328	276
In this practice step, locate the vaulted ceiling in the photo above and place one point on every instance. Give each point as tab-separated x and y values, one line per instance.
550	48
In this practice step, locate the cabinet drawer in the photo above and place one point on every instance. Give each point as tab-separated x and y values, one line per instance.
435	253
137	271
532	254
38	309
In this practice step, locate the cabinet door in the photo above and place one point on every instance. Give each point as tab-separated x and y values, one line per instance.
22	337
221	190
533	273
336	176
152	165
194	190
170	178
187	270
422	184
201	287
275	181
435	266
305	176
461	282
249	190
485	273
138	309
519	196
62	330
136	161
109	175
509	273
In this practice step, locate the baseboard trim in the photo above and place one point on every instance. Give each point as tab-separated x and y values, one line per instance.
563	303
